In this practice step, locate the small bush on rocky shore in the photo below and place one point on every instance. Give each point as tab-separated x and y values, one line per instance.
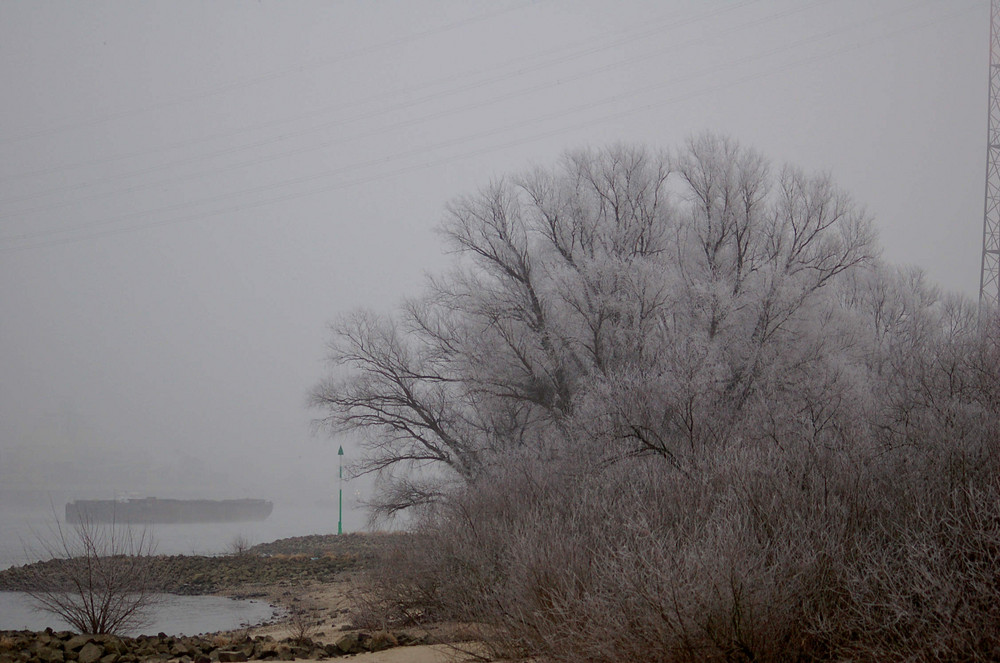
104	579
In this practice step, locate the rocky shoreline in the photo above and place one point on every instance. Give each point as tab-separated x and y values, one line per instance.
286	562
60	646
284	571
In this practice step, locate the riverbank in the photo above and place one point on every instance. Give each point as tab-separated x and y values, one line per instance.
314	579
287	562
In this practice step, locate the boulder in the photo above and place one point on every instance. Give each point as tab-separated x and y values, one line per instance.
381	640
231	656
49	655
90	653
349	644
179	649
114	645
76	642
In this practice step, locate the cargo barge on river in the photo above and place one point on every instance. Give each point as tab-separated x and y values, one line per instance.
150	510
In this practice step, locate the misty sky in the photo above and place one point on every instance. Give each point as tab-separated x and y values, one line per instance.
191	191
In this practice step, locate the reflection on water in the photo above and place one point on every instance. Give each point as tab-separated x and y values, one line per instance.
189	615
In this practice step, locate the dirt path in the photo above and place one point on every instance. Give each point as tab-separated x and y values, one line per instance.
325	618
416	654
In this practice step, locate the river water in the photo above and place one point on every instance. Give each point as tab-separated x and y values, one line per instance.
22	527
174	615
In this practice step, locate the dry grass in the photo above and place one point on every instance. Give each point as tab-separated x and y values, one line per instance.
292	556
223	640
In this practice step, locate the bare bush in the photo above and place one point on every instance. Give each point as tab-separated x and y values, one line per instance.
301	626
102	579
401	586
239	545
753	553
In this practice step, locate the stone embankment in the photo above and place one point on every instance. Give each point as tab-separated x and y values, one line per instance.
287	562
63	646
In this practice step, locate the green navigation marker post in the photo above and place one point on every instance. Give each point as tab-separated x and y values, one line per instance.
340	490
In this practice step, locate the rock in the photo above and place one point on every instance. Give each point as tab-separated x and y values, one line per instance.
114	645
77	642
50	655
231	656
90	653
349	644
381	640
109	658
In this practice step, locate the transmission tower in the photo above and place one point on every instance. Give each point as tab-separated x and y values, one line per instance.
989	277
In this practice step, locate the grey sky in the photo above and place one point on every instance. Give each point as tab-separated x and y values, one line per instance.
190	191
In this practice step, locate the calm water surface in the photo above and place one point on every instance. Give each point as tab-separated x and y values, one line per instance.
21	527
189	615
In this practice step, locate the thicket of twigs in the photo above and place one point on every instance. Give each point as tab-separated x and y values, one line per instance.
102	578
673	407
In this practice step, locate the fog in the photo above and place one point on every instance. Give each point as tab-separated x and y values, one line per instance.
191	192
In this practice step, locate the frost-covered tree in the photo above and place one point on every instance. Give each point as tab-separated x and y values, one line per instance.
648	298
728	429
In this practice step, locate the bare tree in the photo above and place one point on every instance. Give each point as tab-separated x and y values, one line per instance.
240	545
698	280
100	577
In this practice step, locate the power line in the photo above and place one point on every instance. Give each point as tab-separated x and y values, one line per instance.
322	145
448	143
442	161
256	80
561	55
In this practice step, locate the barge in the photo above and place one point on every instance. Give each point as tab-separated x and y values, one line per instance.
150	510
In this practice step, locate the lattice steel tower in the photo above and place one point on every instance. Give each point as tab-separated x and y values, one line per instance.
989	277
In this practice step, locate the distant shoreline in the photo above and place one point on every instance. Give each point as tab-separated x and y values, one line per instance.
312	558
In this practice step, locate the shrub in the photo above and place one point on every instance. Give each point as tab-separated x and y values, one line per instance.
105	582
